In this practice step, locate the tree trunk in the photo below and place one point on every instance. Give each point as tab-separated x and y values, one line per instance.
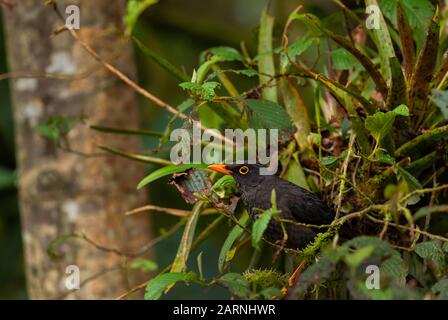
65	192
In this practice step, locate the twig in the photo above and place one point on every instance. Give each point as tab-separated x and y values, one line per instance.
416	230
344	174
171	211
131	83
419	191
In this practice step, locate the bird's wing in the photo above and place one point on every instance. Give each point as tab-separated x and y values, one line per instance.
303	205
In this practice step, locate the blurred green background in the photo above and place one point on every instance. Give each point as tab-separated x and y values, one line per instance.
179	31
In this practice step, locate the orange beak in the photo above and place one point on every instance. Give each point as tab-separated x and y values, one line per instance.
220	168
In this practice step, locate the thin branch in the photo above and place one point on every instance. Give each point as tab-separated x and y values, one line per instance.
416	230
131	83
344	175
420	191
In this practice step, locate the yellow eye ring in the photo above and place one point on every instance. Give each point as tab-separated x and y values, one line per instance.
244	170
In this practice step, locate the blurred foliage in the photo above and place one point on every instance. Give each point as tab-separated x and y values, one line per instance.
12	276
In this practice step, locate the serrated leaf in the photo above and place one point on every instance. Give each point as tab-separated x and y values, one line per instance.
440	289
432	250
298	47
190	183
268	115
167	170
343	60
358	256
157	285
384	157
236	283
393	266
232	237
206	90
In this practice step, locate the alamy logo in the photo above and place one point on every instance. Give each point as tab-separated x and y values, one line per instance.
373	20
373	280
72	21
72	281
250	146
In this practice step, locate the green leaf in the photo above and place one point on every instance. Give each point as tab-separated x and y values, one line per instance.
380	124
206	90
157	285
59	126
144	264
392	263
432	250
266	66
295	173
384	157
328	161
183	252
262	221
225	186
424	211
297	111
236	283
232	237
440	289
358	256
440	99
204	69
420	83
133	11
298	47
167	170
268	115
418	12
384	42
165	64
411	181
343	60
224	54
311	21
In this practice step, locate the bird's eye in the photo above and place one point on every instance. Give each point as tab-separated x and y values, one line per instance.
244	170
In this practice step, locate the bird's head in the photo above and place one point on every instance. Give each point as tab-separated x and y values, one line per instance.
243	173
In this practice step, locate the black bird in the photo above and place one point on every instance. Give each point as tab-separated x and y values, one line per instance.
296	204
